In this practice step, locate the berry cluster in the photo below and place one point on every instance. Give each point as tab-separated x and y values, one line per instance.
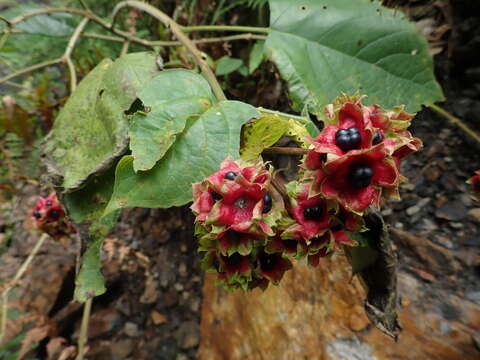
356	158
475	182
250	233
238	210
50	217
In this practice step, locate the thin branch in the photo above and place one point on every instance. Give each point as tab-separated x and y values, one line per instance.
67	56
14	281
31	68
8	22
91	16
177	31
178	43
251	29
456	121
82	340
286	151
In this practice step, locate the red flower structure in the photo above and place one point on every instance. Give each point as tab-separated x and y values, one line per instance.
50	217
237	209
353	126
475	182
238	197
358	179
311	214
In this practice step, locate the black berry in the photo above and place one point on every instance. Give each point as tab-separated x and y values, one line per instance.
348	139
268	262
313	212
54	214
360	176
216	196
230	175
377	138
337	227
233	260
267	203
37	214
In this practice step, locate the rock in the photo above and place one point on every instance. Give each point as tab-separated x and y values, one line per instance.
474	214
428	225
412	210
158	318
182	270
131	329
312	314
349	348
452	211
121	349
103	321
188	335
444	241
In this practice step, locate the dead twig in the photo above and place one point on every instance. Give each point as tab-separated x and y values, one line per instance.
20	272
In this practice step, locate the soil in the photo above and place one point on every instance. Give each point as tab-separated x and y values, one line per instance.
151	309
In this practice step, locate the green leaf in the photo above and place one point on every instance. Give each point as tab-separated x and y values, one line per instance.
256	56
90	281
325	47
55	24
170	99
227	65
90	131
262	134
85	208
206	141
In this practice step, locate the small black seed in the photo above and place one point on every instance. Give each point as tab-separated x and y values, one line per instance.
337	227
49	203
313	212
267	203
342	132
268	262
37	214
360	177
54	214
291	244
343	142
230	175
377	138
348	139
216	196
234	259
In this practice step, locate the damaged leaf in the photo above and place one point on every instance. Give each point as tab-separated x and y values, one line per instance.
90	131
377	269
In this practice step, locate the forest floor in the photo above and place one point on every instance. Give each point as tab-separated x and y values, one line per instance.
151	309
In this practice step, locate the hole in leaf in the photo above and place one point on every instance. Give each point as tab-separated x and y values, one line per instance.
303	8
137	105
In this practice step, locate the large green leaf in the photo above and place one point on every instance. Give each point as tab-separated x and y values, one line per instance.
85	208
169	100
198	152
90	131
325	47
90	281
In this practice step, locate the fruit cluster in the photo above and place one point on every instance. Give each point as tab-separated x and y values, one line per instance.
250	230
475	182
50	217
